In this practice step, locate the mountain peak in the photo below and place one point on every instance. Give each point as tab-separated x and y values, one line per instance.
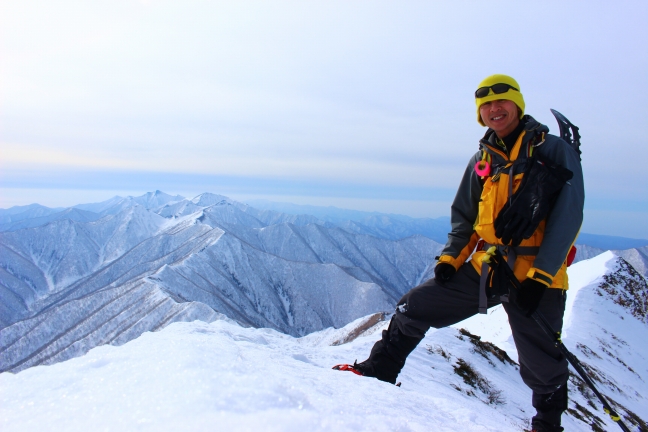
627	288
156	200
208	199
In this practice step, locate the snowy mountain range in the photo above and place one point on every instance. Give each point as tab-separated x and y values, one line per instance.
436	229
220	375
292	294
105	273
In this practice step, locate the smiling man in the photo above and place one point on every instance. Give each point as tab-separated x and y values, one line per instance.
523	193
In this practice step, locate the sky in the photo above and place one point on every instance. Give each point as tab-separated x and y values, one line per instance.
365	105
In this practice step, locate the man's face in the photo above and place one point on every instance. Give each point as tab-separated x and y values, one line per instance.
500	115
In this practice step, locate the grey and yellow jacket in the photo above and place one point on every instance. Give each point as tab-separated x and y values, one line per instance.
479	200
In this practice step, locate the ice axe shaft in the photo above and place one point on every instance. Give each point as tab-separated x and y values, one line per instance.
496	261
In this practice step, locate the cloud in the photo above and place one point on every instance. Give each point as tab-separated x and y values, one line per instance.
24	158
359	93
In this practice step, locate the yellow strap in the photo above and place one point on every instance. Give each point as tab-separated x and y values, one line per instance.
486	159
616	418
490	253
532	147
516	147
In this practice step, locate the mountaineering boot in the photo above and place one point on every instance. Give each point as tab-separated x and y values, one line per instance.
549	408
351	368
356	369
388	355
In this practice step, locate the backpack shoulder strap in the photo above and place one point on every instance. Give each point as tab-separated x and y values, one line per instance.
535	134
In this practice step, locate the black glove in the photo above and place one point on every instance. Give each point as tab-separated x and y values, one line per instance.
443	272
528	296
531	203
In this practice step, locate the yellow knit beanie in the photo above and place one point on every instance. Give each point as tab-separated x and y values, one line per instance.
512	95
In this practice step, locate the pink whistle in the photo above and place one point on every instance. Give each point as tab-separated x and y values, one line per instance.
482	168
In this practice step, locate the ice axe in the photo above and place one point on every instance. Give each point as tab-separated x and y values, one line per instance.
496	261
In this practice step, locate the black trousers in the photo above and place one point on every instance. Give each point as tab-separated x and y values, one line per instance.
432	304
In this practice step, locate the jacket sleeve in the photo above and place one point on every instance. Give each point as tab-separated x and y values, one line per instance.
565	218
463	214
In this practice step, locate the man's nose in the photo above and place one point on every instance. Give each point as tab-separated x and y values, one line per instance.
495	105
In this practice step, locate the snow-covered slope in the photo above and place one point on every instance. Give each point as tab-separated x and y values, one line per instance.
199	376
605	326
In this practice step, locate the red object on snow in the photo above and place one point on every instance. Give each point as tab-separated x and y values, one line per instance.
347	367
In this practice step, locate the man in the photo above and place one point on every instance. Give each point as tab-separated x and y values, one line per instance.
496	206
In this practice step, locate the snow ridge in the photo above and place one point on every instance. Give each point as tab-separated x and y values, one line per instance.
191	375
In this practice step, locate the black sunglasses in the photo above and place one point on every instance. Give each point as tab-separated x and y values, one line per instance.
497	89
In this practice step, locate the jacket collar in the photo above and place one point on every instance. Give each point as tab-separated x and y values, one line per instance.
531	126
